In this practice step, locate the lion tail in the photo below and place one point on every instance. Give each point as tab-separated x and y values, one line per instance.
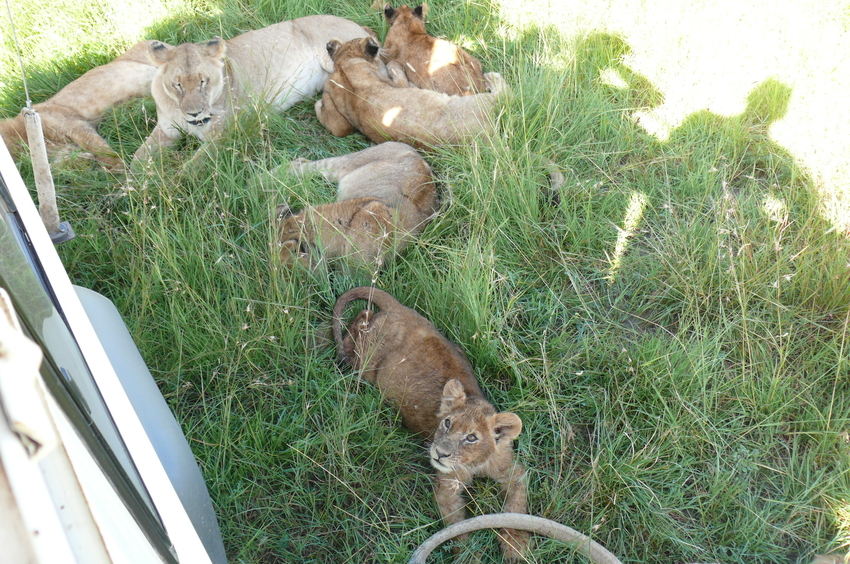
383	300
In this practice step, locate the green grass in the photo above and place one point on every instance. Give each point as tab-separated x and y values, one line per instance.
684	401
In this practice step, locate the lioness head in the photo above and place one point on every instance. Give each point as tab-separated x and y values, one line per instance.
411	18
470	433
192	75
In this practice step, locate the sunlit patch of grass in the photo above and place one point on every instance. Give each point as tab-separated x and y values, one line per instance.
705	55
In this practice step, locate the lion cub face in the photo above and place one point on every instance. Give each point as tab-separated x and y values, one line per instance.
192	75
470	433
293	236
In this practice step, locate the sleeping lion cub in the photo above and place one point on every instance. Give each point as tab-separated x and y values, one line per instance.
431	382
386	195
429	62
363	94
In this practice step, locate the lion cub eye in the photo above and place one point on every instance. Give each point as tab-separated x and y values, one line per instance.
471	438
177	86
447	423
204	82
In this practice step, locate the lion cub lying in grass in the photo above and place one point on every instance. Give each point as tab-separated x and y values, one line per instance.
432	384
386	195
429	62
363	94
71	116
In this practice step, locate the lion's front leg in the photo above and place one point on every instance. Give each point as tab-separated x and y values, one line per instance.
450	501
449	496
514	542
160	138
330	117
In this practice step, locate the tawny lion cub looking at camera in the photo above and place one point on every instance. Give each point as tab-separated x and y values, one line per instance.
363	94
386	195
431	382
429	62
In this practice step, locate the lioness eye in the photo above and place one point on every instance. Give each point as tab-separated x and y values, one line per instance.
447	422
471	438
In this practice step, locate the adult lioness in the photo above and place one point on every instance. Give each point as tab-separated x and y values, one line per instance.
358	96
432	384
429	62
386	195
199	85
71	116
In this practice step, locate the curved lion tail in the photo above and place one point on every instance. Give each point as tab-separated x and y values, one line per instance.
383	300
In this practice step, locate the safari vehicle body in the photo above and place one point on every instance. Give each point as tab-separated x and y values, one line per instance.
93	465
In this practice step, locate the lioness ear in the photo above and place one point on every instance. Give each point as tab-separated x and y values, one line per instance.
332	47
389	12
215	47
372	48
453	396
506	426
160	53
421	10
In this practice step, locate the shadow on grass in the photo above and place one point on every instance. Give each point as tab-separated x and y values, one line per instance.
729	251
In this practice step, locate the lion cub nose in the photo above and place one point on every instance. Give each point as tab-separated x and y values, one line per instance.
193	114
439	454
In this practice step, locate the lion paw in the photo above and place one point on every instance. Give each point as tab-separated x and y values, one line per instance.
495	83
296	166
459	543
514	544
396	74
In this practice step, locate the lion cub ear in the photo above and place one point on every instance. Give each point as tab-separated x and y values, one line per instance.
421	10
332	47
282	212
389	11
372	48
215	47
506	426
453	396
160	53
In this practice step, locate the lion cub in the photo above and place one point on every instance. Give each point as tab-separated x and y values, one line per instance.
386	195
71	116
361	94
429	62
431	382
